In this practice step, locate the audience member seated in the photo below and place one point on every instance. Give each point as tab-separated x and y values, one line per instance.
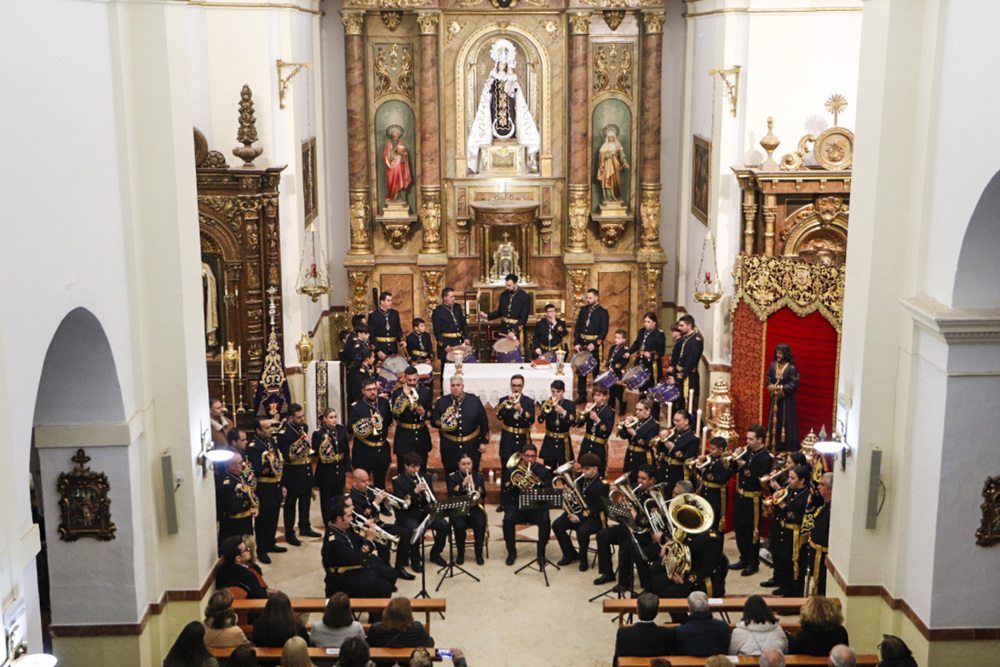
233	572
337	625
244	655
771	657
660	662
277	624
421	658
354	652
759	629
252	563
718	661
701	635
645	639
296	653
842	656
221	630
822	628
895	653
189	649
397	629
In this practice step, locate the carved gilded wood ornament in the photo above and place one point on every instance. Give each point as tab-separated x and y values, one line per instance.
84	506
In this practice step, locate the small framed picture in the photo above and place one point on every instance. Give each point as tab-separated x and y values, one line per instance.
701	166
989	532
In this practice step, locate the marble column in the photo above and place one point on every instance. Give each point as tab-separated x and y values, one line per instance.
357	133
649	188
578	208
430	132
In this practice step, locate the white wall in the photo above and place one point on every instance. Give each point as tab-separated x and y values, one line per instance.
333	166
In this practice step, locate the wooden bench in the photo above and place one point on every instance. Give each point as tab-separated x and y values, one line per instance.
401	655
726	604
248	629
790	660
790	628
426	606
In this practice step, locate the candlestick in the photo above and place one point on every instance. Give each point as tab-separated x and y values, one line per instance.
670	413
691	406
222	378
704	439
697	427
239	360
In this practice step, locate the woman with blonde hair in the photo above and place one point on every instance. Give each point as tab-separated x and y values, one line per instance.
822	628
397	629
221	630
295	653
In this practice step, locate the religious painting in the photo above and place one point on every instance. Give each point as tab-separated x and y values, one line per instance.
701	169
611	135
989	533
84	507
309	179
394	143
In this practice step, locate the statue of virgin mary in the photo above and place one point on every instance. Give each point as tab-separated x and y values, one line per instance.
502	112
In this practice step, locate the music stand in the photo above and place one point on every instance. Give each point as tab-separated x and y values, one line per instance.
539	499
418	534
620	513
447	508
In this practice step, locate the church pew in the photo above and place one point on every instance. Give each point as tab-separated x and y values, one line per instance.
790	628
273	655
248	629
426	606
726	604
790	660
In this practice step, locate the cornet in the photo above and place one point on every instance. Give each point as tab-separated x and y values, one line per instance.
546	407
395	501
470	486
511	401
766	480
736	455
382	536
699	463
778	498
629	422
428	493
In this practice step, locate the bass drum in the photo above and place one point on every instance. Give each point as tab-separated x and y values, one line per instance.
508	351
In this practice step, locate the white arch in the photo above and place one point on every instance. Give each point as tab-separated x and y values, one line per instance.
977	274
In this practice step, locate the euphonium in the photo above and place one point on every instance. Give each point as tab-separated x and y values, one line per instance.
395	501
766	480
521	475
621	487
689	514
382	536
778	498
407	398
572	500
656	513
449	419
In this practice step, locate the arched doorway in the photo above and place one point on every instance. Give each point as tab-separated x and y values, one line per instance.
977	276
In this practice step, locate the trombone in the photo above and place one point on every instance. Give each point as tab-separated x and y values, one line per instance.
395	501
382	536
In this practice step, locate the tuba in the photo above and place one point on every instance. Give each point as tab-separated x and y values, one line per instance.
449	419
573	501
520	472
688	514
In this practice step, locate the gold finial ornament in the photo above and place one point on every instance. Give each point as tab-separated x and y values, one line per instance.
247	134
835	105
770	143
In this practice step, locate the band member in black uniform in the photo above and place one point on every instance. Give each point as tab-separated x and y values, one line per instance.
373	506
599	421
648	348
357	344
236	442
517	414
461	483
513	308
330	443
640	436
617	360
411	406
678	448
350	561
359	374
549	332
816	535
293	441
236	501
463	424
513	516
418	343
369	420
675	349
588	520
706	553
589	334
267	463
622	536
558	414
749	468
688	358
715	482
785	534
450	326
384	324
409	485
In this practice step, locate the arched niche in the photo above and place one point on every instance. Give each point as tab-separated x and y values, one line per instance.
977	276
615	112
534	72
817	232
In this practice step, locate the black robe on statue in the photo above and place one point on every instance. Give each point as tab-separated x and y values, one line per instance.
783	425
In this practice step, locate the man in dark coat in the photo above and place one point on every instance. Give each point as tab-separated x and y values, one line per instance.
233	571
293	441
701	635
368	420
386	328
513	309
589	333
782	383
645	639
463	424
412	434
688	357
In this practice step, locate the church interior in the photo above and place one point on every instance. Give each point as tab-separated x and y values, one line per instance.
815	177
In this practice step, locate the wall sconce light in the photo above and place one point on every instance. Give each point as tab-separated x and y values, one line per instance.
835	444
208	454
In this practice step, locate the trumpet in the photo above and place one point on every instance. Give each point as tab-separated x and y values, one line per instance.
547	406
573	501
521	475
395	501
628	422
778	498
428	493
382	536
699	463
470	488
765	480
736	455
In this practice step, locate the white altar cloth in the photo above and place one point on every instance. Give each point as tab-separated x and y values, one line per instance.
491	382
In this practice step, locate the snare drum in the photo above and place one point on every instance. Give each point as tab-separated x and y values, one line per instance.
508	351
664	393
386	381
583	362
548	356
606	379
425	371
396	364
636	377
